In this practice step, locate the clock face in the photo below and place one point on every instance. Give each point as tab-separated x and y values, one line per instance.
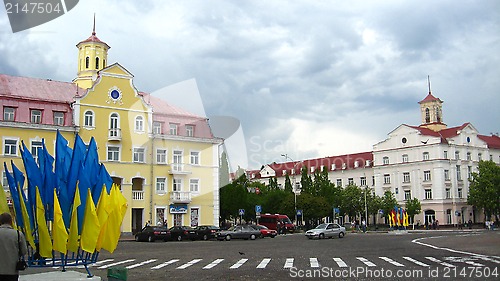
115	94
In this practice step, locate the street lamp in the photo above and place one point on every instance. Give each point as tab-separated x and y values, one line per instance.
294	185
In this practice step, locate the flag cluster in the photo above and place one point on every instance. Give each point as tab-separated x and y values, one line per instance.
398	217
71	203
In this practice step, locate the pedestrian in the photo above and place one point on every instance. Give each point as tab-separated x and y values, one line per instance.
363	224
278	227
470	223
12	243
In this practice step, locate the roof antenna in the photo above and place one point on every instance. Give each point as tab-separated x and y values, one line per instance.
429	82
93	29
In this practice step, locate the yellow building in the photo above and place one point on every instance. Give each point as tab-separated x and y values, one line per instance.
164	158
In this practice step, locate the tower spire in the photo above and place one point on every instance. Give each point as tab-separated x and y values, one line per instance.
93	29
428	81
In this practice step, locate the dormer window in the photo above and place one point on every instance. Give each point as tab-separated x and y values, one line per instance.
333	167
344	166
356	164
312	169
385	160
367	164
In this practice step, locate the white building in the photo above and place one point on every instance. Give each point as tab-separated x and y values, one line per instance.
430	162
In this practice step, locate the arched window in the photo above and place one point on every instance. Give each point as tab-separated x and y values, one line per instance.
97	63
427	115
438	115
139	124
114	125
87	62
88	119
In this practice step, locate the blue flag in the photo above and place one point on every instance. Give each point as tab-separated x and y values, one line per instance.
46	162
19	178
33	174
77	158
91	162
103	179
83	185
62	165
14	194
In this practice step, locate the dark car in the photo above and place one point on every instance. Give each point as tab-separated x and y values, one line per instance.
152	233
205	232
180	233
264	231
239	232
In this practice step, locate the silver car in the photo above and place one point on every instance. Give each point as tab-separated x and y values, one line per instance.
326	230
239	232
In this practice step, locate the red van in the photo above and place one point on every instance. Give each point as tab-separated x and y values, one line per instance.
271	221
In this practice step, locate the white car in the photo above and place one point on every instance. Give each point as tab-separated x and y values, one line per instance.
326	230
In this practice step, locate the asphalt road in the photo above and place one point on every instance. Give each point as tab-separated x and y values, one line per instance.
431	255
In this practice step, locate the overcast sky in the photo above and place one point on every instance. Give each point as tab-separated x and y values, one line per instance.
305	78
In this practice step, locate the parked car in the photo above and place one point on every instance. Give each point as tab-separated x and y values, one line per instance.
152	233
205	232
180	233
239	232
264	231
326	230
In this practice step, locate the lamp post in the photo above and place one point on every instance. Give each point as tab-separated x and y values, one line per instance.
294	185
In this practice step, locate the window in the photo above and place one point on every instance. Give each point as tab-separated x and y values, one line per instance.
448	193
457	155
36	147
156	128
173	129
10	147
177	160
160	185
356	164
446	175
114	125
5	182
459	193
9	113
139	154
427	115
87	62
363	181
445	154
194	185
312	169
339	182
469	157
387	179
407	194
479	156
333	167
406	177
425	156
405	158
88	119
195	158
469	172
139	124
97	63
36	116
427	175
113	153
428	194
190	130
373	180
385	160
350	181
161	156
459	173
491	157
448	216
58	118
176	184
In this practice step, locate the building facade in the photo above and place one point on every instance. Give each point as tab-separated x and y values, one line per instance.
165	159
431	162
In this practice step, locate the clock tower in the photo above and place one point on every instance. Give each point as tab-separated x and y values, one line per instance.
431	109
92	57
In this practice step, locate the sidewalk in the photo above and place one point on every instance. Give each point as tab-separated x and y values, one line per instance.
58	276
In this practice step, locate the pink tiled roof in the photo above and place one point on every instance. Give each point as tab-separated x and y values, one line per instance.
93	38
430	97
38	89
493	141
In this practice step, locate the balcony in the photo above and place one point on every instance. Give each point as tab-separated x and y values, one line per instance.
115	134
178	169
177	197
138	195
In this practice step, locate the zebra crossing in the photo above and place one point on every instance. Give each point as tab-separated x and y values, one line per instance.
312	262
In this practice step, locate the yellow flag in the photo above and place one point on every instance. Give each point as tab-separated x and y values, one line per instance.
390	220
73	242
59	232
90	227
103	210
44	241
26	219
4	207
118	206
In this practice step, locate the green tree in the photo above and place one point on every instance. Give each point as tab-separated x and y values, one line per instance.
352	201
288	184
273	183
313	208
306	181
484	189
233	197
413	208
388	202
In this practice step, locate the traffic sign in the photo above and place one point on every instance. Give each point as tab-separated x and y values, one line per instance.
336	210
258	208
381	211
242	212
299	213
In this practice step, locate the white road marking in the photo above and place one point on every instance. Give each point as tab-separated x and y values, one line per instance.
314	262
116	263
391	261
165	264
188	264
288	263
440	262
238	264
141	263
366	262
264	263
340	262
415	261
213	264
